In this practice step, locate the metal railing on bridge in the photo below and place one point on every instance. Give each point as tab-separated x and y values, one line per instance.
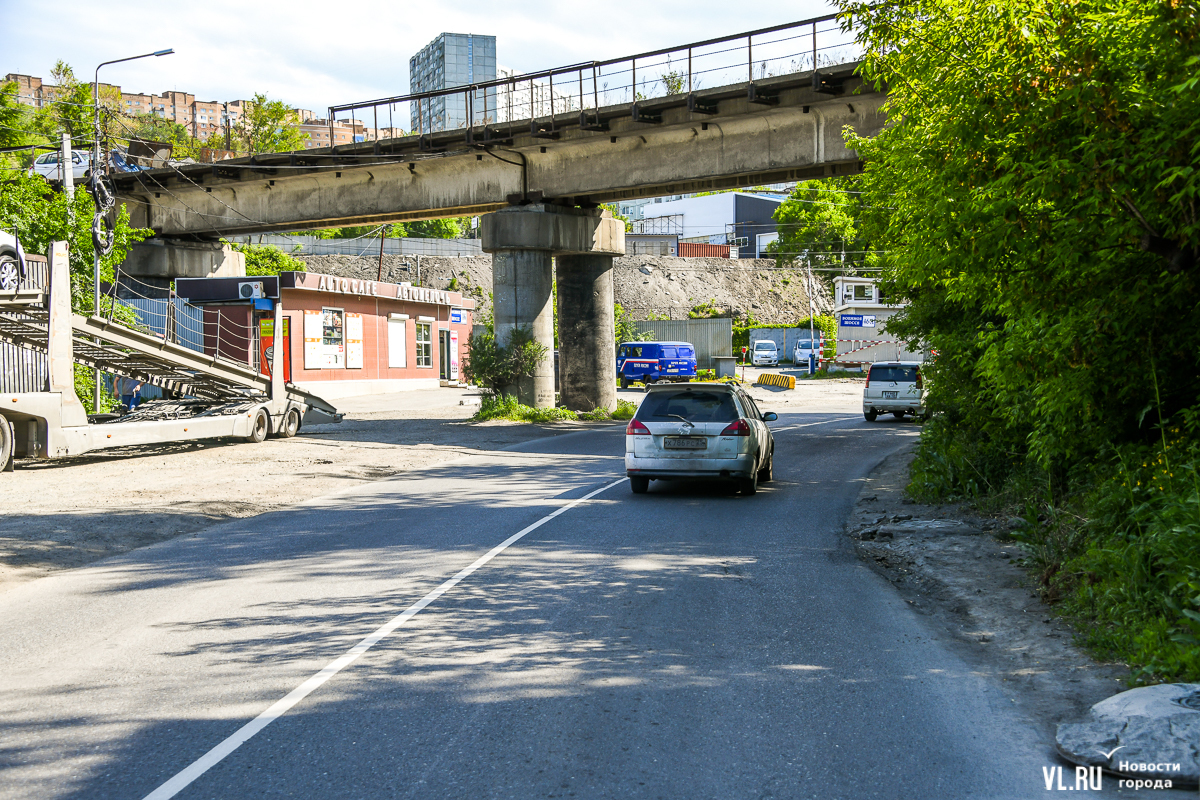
588	87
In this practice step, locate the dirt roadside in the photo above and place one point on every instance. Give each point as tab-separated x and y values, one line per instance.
70	512
958	570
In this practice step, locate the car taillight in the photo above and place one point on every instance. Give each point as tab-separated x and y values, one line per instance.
739	428
918	379
636	428
868	377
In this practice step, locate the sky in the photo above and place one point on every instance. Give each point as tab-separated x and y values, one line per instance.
315	54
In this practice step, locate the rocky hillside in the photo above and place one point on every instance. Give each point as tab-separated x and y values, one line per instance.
645	285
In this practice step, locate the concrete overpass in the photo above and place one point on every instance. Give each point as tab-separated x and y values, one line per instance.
770	131
539	182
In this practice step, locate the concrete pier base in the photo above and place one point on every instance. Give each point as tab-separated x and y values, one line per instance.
522	240
522	285
587	352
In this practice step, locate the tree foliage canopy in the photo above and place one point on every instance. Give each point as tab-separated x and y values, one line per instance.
267	126
1035	190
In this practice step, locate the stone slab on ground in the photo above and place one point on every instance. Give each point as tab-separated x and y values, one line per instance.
1142	733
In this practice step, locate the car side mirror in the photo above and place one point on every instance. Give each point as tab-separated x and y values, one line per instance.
770	416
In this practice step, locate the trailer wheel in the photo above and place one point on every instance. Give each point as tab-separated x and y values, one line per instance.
291	424
262	426
6	445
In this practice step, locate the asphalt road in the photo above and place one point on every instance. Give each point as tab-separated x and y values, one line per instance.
689	642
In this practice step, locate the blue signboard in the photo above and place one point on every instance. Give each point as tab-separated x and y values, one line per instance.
858	320
456	315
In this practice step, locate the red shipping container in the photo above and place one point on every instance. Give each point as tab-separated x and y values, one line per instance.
701	250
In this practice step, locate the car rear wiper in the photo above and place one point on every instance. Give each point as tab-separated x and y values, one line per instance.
676	416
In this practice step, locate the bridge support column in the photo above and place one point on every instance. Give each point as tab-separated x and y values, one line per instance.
522	240
586	331
522	285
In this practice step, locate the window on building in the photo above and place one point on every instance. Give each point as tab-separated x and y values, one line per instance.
332	326
863	293
424	344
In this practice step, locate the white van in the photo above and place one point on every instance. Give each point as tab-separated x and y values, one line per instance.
896	387
764	354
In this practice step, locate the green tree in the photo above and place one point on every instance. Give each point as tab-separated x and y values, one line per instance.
1035	189
820	225
15	123
625	329
267	126
151	127
268	259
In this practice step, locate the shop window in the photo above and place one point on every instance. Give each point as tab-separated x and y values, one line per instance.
424	344
397	346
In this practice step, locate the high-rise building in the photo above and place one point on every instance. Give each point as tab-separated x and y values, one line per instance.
450	60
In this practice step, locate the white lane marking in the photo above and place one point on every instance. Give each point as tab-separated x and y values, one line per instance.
281	707
810	424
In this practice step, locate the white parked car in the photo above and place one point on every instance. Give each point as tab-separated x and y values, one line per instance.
804	348
896	387
48	167
699	430
765	353
12	262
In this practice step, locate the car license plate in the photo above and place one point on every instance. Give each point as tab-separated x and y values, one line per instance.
685	443
889	395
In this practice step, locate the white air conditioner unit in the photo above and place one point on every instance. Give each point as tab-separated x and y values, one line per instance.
250	290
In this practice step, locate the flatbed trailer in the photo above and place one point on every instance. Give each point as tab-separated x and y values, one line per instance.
215	397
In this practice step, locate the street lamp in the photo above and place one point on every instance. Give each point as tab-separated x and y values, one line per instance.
95	177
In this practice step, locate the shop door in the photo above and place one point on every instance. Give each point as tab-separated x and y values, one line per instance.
444	355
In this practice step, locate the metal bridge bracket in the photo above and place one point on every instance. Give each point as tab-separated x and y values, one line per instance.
762	98
698	106
642	116
592	123
827	84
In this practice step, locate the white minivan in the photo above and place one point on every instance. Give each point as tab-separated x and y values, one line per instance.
896	387
764	353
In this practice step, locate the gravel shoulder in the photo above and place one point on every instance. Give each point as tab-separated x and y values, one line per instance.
958	570
69	512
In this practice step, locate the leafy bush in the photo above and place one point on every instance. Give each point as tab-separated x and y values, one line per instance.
824	323
262	260
625	410
507	407
706	374
498	367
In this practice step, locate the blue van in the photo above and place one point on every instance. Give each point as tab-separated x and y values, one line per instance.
655	361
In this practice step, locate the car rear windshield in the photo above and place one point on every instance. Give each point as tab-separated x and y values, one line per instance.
898	374
687	352
670	352
807	344
692	406
765	346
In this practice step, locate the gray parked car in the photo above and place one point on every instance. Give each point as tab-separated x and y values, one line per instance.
699	430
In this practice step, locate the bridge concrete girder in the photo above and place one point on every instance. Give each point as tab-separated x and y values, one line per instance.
743	144
158	259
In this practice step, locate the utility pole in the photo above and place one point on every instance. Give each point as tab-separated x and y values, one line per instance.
228	145
68	168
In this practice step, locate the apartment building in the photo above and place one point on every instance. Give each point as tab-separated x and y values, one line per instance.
201	118
452	59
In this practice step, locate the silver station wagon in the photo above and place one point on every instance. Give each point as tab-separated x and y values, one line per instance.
699	430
